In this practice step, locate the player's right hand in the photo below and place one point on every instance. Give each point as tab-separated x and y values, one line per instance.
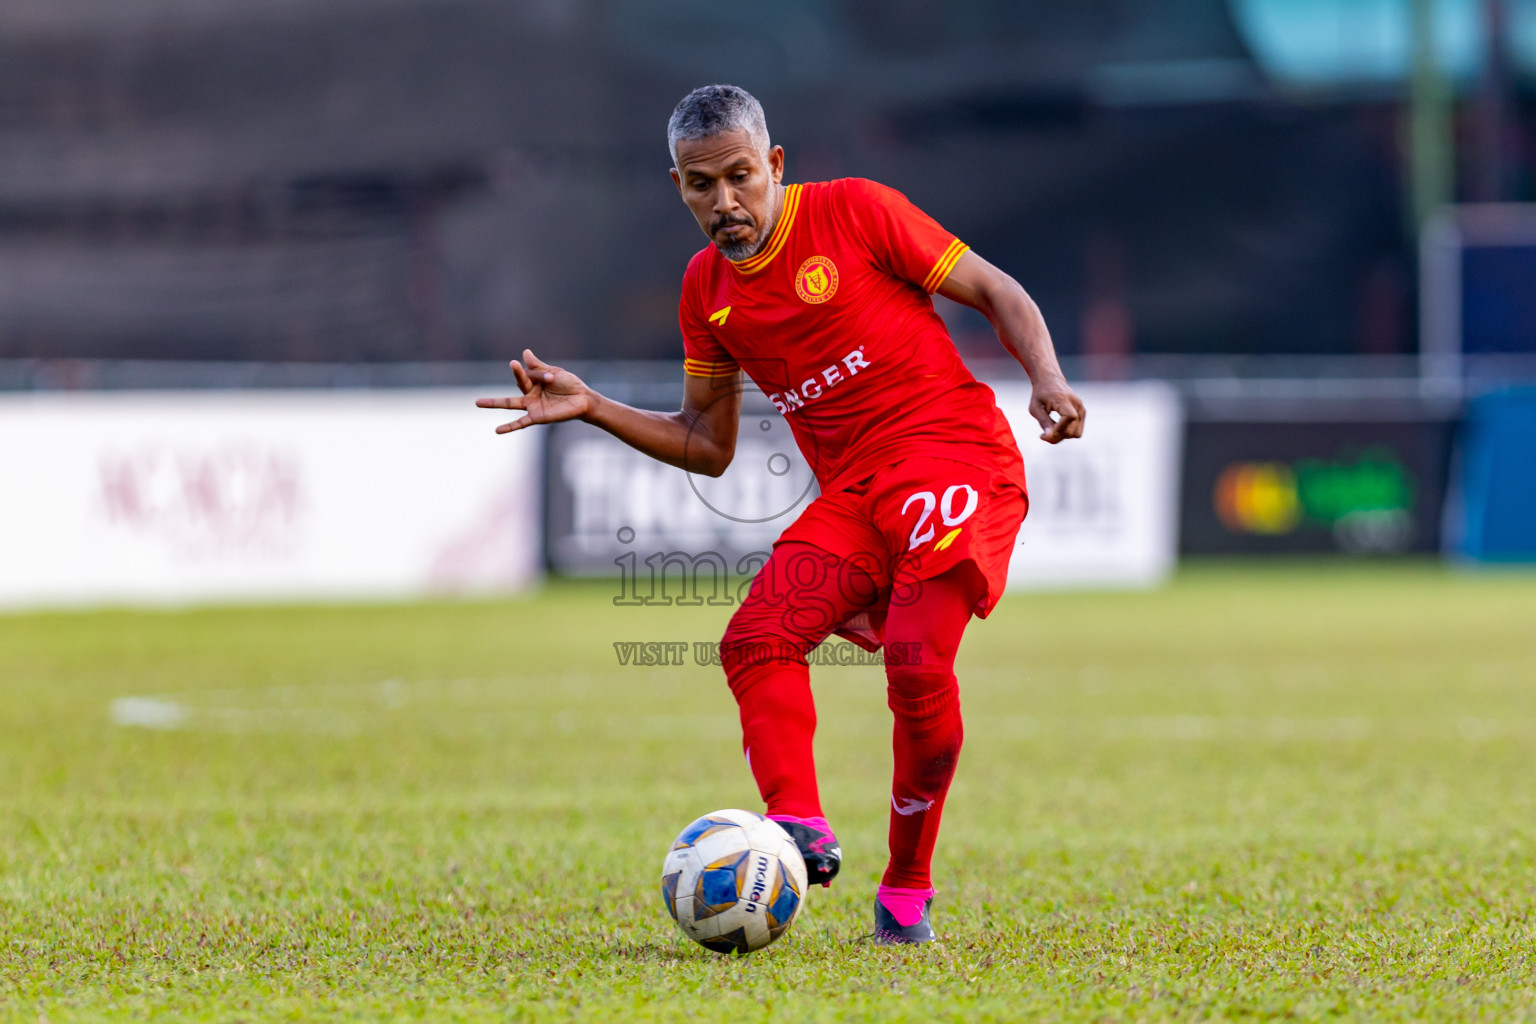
1057	409
549	394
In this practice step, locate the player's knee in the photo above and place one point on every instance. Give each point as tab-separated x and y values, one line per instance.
921	690
756	636
931	723
749	625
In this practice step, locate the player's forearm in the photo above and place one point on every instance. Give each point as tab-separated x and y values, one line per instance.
1021	328
679	438
1002	300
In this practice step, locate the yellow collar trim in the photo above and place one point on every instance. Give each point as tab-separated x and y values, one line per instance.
779	237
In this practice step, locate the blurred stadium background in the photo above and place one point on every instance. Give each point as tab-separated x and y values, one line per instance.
1303	216
257	257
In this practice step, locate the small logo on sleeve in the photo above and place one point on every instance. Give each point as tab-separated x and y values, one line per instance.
816	280
718	317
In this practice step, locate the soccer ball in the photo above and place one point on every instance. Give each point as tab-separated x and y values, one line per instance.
733	881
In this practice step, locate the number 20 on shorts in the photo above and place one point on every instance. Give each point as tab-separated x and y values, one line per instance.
945	507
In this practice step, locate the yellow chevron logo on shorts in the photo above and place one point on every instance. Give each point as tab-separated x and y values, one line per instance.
719	316
948	539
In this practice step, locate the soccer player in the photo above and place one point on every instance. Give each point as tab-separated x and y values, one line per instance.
820	293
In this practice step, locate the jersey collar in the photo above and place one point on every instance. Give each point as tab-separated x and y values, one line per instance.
778	238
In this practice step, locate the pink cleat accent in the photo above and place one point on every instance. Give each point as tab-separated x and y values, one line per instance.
905	905
818	846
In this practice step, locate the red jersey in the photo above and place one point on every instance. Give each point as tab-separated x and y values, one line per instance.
833	320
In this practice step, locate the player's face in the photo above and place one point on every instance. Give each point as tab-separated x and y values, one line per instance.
730	185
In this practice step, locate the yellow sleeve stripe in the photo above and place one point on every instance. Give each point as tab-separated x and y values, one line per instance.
780	234
946	263
705	368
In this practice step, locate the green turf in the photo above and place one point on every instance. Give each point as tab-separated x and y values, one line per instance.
1299	792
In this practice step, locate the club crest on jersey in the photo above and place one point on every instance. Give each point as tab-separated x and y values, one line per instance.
816	280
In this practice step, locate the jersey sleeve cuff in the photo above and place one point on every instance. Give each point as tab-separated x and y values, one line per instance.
946	263
705	368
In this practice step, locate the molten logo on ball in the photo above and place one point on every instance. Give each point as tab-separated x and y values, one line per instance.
733	881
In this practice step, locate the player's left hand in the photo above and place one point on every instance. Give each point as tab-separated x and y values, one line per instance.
549	395
1054	396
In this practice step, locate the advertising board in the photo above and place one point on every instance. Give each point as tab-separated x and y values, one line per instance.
181	497
1274	487
612	511
1103	510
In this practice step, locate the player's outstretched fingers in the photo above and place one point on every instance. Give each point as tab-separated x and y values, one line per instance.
517	424
514	402
524	384
542	371
511	402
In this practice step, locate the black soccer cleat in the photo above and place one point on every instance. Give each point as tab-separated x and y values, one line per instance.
817	845
890	932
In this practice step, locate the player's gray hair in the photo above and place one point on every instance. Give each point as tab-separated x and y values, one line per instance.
714	109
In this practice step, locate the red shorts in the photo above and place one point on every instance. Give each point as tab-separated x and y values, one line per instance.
913	521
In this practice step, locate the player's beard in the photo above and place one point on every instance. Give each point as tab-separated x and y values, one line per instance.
740	251
746	250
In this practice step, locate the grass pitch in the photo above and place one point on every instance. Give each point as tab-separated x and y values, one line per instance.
1264	792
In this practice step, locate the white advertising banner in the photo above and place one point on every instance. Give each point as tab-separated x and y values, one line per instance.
608	504
1104	509
184	497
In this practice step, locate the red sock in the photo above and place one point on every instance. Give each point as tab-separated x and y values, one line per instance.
797	599
925	703
778	726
